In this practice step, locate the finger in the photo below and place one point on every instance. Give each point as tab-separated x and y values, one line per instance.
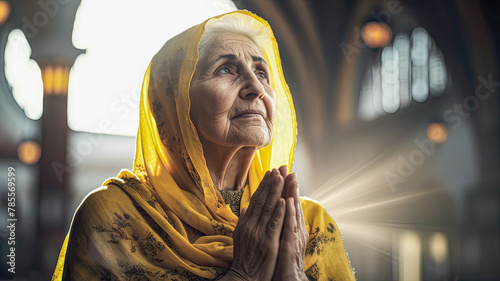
257	195
275	190
298	209
263	205
294	186
293	191
284	171
291	186
290	218
276	222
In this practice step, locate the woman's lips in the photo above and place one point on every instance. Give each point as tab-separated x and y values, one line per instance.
250	114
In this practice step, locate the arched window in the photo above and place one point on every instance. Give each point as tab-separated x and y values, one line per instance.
23	75
410	68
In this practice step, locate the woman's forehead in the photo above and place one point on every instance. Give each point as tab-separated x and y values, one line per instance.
235	44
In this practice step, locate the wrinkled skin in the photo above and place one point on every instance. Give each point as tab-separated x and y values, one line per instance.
232	108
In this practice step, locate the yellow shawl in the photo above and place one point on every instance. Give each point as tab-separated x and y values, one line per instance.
167	220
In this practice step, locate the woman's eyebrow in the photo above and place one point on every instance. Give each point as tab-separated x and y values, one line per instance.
234	57
259	59
222	57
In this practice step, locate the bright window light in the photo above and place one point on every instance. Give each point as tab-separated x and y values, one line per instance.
120	38
410	256
408	69
23	75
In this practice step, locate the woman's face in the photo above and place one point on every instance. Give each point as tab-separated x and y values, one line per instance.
232	102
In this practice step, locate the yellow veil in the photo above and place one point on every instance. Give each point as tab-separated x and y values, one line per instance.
138	223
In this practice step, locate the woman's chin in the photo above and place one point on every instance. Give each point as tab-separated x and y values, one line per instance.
256	138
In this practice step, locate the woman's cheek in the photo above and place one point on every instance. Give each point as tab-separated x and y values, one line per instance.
270	122
270	103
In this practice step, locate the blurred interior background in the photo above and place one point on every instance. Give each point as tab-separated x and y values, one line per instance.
397	104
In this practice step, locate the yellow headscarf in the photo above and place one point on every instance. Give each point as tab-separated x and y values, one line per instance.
140	222
169	154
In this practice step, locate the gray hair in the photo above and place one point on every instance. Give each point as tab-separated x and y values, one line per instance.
237	24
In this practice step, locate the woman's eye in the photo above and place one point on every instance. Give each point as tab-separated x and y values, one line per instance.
224	70
261	74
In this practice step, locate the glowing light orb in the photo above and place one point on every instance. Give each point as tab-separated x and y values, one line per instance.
4	11
29	152
376	34
437	133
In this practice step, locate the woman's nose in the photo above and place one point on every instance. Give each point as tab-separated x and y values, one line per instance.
252	88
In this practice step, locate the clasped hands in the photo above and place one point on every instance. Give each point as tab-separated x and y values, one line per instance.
271	236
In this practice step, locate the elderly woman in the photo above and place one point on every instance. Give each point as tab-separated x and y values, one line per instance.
210	196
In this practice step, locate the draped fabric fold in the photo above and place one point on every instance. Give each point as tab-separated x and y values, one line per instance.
167	220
